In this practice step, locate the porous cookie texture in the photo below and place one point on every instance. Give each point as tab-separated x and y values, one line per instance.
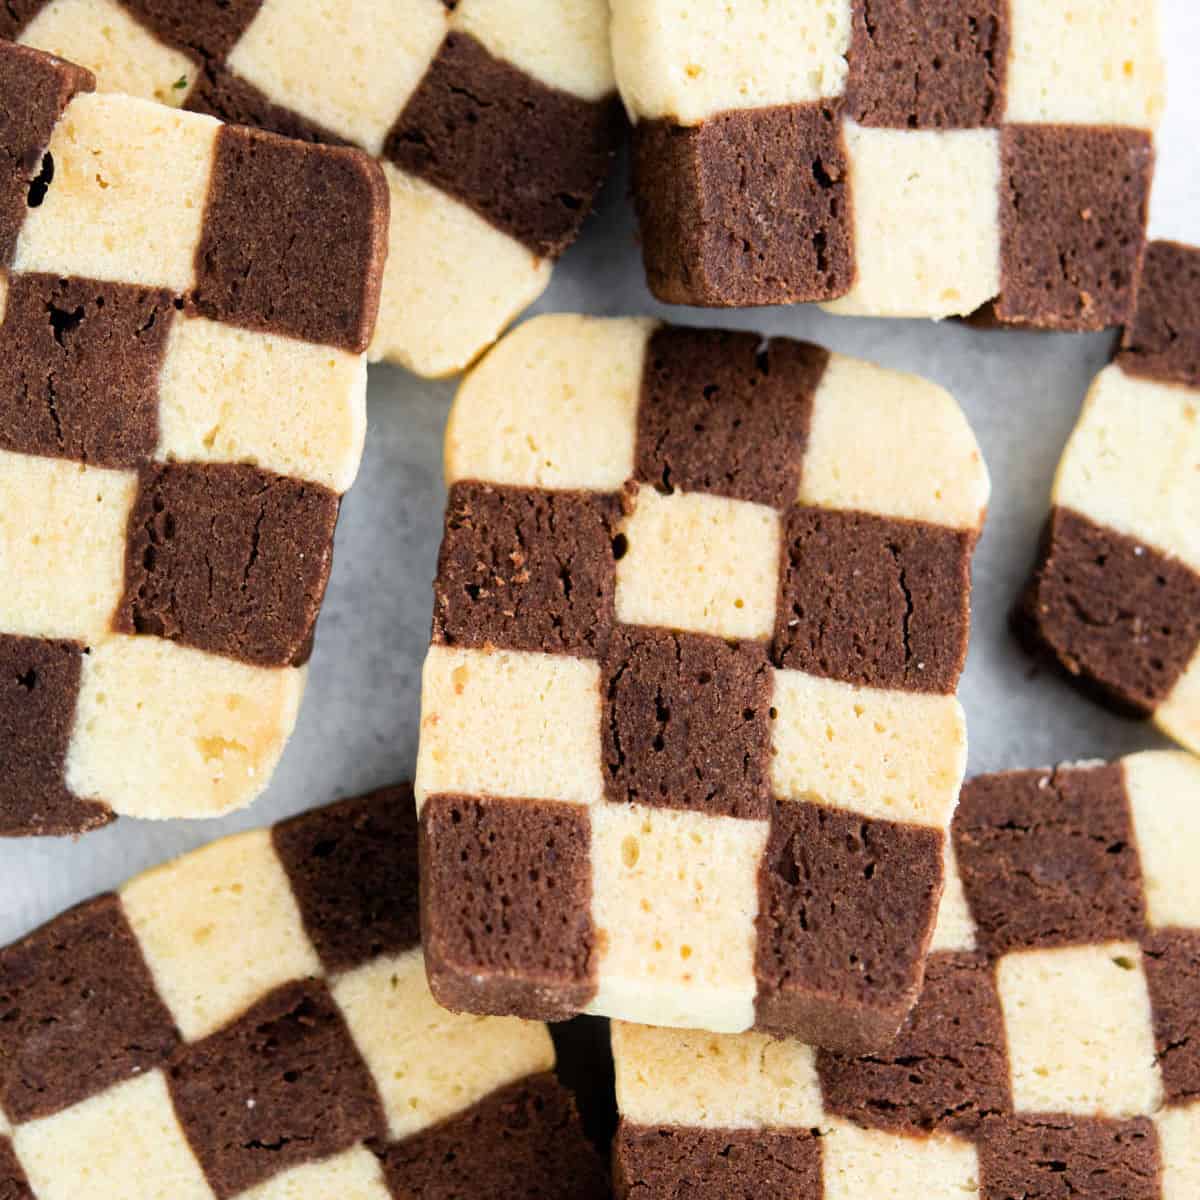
689	740
253	1021
1115	595
928	159
495	121
184	316
1054	1052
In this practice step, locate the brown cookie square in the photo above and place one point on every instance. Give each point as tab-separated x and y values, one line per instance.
526	569
1171	958
353	871
506	891
228	558
208	30
78	1012
687	722
1163	340
13	1184
527	157
928	64
1048	858
294	239
293	1057
1072	223
726	412
79	364
871	600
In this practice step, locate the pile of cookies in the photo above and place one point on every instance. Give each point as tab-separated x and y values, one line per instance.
690	895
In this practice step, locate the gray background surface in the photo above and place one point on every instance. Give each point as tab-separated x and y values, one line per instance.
358	725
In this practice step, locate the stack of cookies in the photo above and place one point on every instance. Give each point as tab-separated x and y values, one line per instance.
690	895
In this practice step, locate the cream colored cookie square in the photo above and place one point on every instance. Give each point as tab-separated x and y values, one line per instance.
1085	62
1179	1141
509	723
1133	462
1178	716
353	1175
233	395
857	1163
430	1064
1164	796
674	902
62	545
926	209
124	1142
135	176
167	731
701	563
219	929
1080	1032
120	51
564	44
452	282
348	65
692	61
715	1080
889	755
554	405
955	928
892	444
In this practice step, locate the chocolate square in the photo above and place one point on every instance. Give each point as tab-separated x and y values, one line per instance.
78	1012
727	413
872	600
228	558
928	64
527	157
526	569
708	745
1172	962
209	30
294	239
1049	858
282	1085
1163	340
79	364
353	871
506	890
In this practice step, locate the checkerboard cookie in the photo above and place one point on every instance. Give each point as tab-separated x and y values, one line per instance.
1115	596
915	160
494	120
689	740
1055	1050
184	310
253	1021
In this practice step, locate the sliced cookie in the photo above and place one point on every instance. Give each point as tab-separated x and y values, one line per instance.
184	313
1054	1052
689	740
494	120
253	1020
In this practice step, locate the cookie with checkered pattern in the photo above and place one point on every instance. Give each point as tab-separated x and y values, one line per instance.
1055	1050
1115	596
916	160
184	311
253	1021
494	120
689	739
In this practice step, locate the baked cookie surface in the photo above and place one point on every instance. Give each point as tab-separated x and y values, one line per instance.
184	311
494	121
689	740
1115	596
252	1020
917	160
1053	1051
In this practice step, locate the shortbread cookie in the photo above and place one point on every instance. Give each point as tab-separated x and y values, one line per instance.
1054	1053
1115	597
252	1020
495	121
184	310
689	741
915	160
